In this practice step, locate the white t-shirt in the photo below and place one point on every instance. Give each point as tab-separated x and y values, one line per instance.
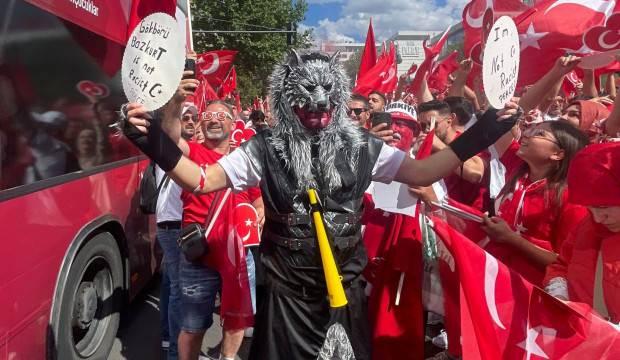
243	173
169	203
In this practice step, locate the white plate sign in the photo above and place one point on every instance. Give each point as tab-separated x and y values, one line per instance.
153	61
500	65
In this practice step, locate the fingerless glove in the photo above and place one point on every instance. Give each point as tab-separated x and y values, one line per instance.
484	133
156	144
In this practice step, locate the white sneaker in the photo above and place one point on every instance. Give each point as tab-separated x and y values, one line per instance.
165	345
441	340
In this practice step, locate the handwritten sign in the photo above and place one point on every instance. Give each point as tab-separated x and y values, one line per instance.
153	61
500	64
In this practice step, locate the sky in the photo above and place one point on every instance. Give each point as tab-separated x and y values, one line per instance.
347	20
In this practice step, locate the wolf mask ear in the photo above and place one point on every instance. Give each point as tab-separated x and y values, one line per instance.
294	60
333	60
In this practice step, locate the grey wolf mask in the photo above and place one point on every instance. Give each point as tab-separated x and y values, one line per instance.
315	85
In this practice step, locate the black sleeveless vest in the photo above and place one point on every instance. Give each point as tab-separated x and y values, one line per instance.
289	250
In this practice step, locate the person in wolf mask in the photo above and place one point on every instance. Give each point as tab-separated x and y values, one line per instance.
313	144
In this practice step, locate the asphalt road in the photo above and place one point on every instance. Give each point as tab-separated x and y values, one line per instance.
139	335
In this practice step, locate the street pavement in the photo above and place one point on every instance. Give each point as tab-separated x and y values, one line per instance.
139	335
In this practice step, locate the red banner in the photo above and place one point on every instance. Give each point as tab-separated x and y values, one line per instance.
106	18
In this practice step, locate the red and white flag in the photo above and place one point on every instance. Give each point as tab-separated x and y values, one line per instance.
554	27
438	79
382	77
513	319
215	66
203	94
369	56
246	222
230	84
430	55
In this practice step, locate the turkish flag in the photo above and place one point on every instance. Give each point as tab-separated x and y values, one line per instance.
430	54
554	27
215	66
369	56
246	221
242	132
438	80
381	77
203	94
143	8
513	318
230	84
478	16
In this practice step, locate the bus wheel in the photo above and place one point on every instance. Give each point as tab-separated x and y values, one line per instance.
91	301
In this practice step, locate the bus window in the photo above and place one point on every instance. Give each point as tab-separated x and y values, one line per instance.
60	91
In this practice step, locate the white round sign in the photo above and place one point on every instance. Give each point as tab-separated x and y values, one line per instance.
500	63
153	62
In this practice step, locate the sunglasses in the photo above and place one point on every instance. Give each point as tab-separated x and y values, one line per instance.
357	111
219	115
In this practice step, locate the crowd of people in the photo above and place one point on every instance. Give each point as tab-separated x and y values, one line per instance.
543	173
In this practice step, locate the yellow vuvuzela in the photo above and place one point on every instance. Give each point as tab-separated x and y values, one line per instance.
333	280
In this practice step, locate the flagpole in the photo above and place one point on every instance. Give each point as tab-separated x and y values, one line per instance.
189	25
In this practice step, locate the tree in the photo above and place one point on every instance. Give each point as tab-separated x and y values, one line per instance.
258	53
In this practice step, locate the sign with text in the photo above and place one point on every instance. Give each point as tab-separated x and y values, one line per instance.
153	61
500	63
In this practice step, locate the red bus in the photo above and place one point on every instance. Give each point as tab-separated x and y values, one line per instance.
75	246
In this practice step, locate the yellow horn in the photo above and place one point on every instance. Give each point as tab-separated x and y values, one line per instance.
335	290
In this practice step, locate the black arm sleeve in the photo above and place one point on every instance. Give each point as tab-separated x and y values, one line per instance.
157	145
484	133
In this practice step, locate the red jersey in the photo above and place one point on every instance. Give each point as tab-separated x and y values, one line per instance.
196	207
531	210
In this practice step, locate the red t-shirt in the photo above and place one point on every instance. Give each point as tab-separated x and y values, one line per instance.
196	207
225	254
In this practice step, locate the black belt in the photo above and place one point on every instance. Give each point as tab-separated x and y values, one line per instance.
294	244
169	225
304	291
305	219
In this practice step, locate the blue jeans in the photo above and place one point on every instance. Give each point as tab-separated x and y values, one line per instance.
170	297
199	286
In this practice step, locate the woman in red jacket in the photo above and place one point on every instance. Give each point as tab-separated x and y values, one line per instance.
533	215
588	269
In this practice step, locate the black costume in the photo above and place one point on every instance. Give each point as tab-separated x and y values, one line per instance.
294	316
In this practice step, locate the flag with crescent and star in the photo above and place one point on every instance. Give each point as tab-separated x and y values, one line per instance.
215	66
381	77
503	316
553	28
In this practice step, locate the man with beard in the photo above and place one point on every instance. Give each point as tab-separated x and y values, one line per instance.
189	121
313	145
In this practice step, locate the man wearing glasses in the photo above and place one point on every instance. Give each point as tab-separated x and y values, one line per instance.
189	121
358	110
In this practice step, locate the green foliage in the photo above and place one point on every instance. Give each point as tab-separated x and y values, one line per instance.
258	53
